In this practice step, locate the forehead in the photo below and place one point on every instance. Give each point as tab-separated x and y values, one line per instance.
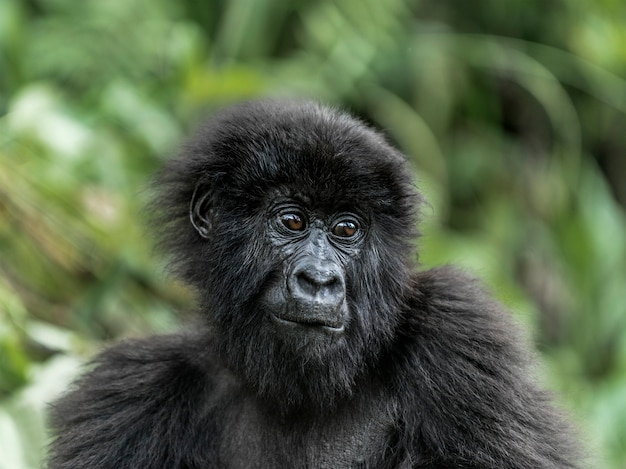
322	177
323	159
322	156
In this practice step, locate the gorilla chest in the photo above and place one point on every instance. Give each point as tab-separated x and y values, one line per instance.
352	437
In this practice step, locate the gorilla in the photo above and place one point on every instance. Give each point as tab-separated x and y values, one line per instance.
318	342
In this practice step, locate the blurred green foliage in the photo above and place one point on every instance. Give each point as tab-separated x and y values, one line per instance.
513	113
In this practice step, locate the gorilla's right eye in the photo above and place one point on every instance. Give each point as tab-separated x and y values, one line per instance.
293	221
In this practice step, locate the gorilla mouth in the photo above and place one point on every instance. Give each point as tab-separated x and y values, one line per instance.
322	324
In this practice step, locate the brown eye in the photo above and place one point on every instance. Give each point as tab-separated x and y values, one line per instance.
345	229
292	221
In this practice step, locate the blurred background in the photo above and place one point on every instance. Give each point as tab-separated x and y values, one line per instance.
513	114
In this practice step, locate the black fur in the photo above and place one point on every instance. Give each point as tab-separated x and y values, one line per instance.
428	372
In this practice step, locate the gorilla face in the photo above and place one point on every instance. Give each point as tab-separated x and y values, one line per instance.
308	297
298	239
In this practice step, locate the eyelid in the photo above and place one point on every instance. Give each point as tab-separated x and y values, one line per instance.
285	211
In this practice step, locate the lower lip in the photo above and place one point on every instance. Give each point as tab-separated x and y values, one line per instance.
305	325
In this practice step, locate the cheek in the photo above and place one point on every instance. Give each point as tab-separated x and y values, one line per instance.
372	274
240	264
272	293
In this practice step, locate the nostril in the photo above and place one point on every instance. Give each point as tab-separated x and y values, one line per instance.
331	286
306	283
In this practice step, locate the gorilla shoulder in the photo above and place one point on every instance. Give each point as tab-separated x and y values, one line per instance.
121	413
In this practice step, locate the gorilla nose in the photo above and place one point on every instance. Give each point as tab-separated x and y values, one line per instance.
318	284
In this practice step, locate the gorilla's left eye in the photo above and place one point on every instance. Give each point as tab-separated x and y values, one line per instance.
345	229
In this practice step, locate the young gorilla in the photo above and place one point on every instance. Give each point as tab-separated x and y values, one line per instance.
321	346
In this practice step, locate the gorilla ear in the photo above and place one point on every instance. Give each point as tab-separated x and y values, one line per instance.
200	211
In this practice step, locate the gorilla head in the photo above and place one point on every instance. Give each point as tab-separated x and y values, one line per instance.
298	240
